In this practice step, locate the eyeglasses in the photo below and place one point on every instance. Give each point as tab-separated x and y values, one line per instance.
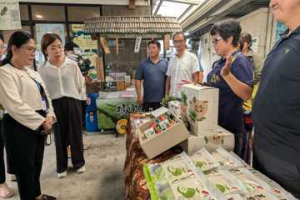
29	49
178	41
3	47
215	41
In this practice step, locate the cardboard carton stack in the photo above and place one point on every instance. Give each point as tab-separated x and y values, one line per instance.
199	109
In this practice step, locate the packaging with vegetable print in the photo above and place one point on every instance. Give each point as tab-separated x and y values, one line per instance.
221	138
204	161
234	197
225	159
162	132
275	188
176	179
219	175
260	195
199	106
226	183
250	182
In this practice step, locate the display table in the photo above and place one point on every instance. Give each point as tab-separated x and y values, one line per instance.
135	183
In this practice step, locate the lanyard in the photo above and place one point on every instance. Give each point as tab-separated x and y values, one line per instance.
45	101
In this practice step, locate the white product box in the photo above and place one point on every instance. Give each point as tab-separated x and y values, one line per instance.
199	105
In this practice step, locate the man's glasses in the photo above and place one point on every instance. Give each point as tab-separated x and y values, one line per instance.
215	41
178	41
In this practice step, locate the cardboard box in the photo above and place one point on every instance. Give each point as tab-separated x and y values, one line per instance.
175	107
221	138
199	105
163	141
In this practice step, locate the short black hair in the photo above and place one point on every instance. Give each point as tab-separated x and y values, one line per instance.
69	46
157	43
179	33
226	29
1	37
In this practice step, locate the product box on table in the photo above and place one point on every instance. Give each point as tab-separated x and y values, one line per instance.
175	107
221	138
162	132
199	106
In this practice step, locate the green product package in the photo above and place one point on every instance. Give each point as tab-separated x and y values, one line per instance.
178	179
204	160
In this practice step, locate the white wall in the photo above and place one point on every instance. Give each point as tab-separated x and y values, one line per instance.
208	55
260	24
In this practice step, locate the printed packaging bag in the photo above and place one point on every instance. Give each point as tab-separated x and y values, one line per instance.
204	160
226	183
225	159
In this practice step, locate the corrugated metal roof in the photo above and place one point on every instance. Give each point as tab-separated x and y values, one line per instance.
139	25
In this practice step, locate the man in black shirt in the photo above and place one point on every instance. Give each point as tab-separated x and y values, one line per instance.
276	110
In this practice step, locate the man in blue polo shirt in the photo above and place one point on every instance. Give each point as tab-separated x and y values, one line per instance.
152	72
276	109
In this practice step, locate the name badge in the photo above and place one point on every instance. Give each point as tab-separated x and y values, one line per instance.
44	105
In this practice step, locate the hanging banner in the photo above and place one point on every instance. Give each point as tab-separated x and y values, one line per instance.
84	40
10	15
137	46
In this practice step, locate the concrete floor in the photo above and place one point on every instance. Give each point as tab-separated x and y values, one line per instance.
103	179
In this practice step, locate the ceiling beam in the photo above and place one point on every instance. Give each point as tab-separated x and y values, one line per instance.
187	10
158	6
191	2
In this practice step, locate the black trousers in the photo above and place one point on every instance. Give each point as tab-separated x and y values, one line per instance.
83	108
25	150
68	131
284	173
147	106
2	163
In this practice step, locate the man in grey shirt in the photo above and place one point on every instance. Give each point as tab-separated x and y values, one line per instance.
152	72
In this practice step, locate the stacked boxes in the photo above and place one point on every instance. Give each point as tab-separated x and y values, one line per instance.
199	106
221	138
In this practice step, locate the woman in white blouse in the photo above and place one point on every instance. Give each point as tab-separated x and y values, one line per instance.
66	86
29	115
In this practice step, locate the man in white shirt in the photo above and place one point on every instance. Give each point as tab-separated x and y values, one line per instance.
183	68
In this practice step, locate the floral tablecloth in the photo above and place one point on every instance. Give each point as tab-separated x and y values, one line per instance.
135	183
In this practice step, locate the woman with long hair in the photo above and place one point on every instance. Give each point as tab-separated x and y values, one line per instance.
29	115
